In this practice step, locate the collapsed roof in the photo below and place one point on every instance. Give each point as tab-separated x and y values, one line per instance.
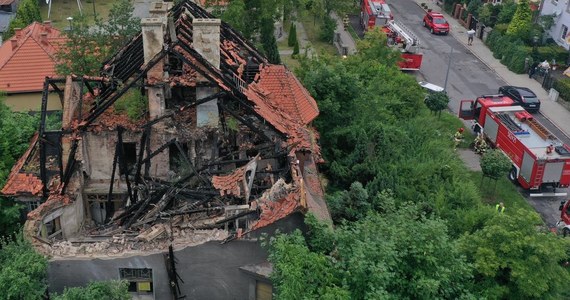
226	142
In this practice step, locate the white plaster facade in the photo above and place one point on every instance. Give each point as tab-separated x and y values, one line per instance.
559	31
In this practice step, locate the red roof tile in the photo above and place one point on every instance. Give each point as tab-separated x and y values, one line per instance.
230	184
24	68
285	91
19	183
6	2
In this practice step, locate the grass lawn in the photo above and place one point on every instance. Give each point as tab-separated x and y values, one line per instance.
61	9
312	29
502	190
290	62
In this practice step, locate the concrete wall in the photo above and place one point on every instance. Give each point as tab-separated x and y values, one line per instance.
72	217
209	271
99	150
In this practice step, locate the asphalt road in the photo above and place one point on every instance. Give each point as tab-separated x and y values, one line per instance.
468	78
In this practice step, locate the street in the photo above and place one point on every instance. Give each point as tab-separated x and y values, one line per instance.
468	78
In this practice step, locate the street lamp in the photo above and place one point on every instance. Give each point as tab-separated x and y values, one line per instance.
70	19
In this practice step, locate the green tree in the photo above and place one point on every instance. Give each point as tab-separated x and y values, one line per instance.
436	102
88	46
495	164
514	259
269	42
16	129
28	12
235	14
103	290
24	271
296	49
121	25
84	50
521	23
292	39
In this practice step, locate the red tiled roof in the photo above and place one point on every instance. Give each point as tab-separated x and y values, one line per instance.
229	184
6	2
286	92
21	183
272	211
24	68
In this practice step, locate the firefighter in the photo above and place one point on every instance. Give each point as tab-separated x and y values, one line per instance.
458	137
480	144
500	208
549	149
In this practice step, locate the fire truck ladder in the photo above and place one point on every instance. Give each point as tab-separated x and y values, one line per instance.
540	130
412	41
538	174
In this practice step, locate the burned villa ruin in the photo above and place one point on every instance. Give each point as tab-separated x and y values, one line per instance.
188	138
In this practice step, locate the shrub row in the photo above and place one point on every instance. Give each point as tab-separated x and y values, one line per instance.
513	52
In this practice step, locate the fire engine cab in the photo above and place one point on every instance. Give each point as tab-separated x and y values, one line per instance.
539	158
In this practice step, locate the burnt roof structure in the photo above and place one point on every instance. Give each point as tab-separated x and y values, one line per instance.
223	146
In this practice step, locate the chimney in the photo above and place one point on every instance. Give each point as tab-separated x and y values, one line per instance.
18	32
14	42
43	38
206	39
47	26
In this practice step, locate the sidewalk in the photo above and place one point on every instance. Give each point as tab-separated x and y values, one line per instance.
553	111
304	42
344	39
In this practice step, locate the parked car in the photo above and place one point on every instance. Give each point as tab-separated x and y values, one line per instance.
436	23
522	96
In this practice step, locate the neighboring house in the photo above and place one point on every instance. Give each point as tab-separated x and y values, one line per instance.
5	18
25	60
224	154
561	11
9	5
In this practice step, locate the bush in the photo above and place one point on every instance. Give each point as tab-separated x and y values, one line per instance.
512	53
563	87
133	103
327	31
550	52
501	28
292	40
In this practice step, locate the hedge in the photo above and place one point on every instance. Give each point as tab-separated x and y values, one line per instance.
563	87
553	51
511	53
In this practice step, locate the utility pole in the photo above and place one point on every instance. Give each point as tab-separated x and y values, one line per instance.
448	67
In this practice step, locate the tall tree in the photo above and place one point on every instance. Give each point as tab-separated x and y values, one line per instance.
436	102
514	259
269	42
23	273
121	25
235	14
88	46
521	23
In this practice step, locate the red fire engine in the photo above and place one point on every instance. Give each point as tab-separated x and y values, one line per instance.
564	223
539	158
376	13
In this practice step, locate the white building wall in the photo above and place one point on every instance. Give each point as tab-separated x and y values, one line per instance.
562	9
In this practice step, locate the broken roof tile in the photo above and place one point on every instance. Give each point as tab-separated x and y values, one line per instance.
230	184
20	183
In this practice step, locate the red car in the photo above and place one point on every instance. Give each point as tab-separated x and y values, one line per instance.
436	23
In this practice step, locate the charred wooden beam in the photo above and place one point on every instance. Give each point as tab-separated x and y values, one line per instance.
157	151
247	123
42	129
110	194
237	216
117	94
140	209
138	165
122	160
70	166
192	211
